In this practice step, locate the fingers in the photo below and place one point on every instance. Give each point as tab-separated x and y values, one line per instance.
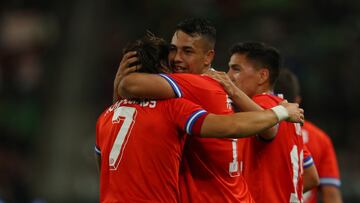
302	117
124	64
296	114
284	102
129	61
128	55
216	75
129	70
128	58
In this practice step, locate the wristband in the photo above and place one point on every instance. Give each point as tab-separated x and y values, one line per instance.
280	112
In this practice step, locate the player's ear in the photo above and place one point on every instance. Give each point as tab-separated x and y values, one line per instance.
264	75
209	57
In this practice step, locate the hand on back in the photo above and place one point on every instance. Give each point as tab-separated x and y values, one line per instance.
296	114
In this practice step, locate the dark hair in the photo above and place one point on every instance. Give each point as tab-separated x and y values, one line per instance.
152	52
288	85
199	27
265	56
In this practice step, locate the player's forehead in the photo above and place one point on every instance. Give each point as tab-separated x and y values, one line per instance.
237	59
181	39
241	60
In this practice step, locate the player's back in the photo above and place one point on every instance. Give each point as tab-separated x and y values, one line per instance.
273	169
323	153
210	170
141	150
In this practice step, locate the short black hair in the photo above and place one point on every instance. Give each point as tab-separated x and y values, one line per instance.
152	52
288	85
266	56
199	27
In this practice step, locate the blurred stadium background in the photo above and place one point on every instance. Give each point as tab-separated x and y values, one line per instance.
58	60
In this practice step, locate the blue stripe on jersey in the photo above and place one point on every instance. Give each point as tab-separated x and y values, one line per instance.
192	119
97	150
308	162
173	84
330	181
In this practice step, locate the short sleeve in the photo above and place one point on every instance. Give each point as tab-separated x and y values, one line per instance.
186	114
185	85
308	160
174	85
328	167
97	138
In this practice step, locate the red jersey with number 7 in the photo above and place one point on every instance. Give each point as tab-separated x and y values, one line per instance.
141	148
211	167
273	168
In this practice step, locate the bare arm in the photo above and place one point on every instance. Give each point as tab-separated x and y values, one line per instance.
240	99
128	84
237	125
330	194
247	123
311	178
143	85
123	70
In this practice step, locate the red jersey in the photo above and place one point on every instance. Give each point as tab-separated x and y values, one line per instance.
324	156
273	169
210	170
141	148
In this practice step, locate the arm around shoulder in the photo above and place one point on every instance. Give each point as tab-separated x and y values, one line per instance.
143	85
242	124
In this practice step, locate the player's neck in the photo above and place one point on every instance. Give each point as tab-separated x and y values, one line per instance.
206	69
264	90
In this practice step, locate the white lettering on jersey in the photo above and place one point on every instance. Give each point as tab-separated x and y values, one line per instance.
150	104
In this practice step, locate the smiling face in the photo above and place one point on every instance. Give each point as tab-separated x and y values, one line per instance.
244	74
189	54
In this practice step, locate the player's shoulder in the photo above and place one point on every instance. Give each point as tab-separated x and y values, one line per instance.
193	77
184	75
174	103
267	99
266	96
108	112
314	130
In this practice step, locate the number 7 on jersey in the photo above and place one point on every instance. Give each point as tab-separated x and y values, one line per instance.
127	115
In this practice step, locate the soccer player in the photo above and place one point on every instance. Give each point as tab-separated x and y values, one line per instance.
138	144
318	143
211	168
273	159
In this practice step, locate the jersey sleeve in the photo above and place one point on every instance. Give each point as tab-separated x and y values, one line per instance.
187	116
183	84
174	85
328	168
308	160
97	140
